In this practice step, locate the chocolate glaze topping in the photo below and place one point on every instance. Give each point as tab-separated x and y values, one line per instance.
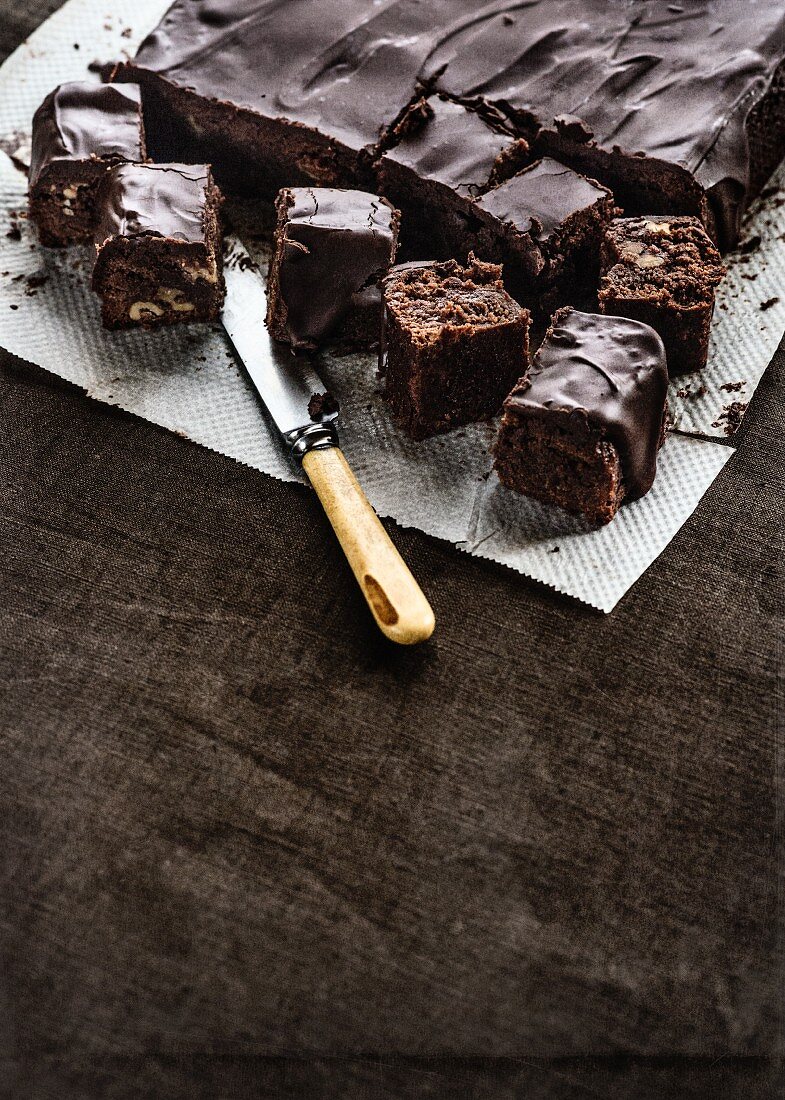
610	371
674	82
540	198
444	142
160	200
331	251
82	121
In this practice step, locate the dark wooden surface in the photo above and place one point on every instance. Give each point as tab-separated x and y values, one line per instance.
248	849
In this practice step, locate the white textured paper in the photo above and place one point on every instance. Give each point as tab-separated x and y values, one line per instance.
187	380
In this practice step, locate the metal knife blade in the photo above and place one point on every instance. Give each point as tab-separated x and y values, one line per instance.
285	382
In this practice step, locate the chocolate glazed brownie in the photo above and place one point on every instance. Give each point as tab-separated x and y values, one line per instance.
79	131
158	246
676	107
582	429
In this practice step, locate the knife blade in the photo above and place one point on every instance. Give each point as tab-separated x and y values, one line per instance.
286	383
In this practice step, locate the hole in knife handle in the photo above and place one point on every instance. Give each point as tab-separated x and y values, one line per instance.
383	609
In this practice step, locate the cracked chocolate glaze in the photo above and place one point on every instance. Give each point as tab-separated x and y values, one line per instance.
160	200
444	142
611	371
331	249
539	199
672	82
80	121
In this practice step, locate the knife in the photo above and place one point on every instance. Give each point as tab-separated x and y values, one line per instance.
286	383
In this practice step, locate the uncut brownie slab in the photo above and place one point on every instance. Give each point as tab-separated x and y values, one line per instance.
79	131
583	428
453	343
158	245
663	271
330	251
677	108
443	157
545	225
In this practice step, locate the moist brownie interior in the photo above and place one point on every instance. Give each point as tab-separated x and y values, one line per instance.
454	342
663	271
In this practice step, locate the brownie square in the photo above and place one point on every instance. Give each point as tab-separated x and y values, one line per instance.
583	428
663	271
443	157
545	225
453	343
79	132
158	244
331	249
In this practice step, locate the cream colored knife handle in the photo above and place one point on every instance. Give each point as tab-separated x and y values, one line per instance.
394	596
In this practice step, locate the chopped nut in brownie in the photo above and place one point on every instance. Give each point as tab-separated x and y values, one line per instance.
663	271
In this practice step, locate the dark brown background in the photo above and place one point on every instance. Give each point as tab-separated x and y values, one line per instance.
249	849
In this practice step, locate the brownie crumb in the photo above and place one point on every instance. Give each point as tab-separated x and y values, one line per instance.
750	245
769	303
731	417
732	387
14	233
321	405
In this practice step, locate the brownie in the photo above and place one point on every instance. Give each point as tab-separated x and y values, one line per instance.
663	271
331	249
676	108
278	94
158	245
453	343
443	157
545	225
79	132
583	428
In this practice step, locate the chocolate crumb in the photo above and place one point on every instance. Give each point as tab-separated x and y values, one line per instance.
732	387
321	405
769	303
554	550
13	306
34	282
14	233
731	417
750	245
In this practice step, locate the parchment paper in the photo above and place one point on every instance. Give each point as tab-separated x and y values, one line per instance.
188	381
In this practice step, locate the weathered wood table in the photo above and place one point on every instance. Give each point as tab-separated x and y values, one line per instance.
249	849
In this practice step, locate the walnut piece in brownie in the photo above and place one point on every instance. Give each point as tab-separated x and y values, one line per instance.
443	157
158	243
79	131
331	249
663	271
545	225
453	343
583	428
